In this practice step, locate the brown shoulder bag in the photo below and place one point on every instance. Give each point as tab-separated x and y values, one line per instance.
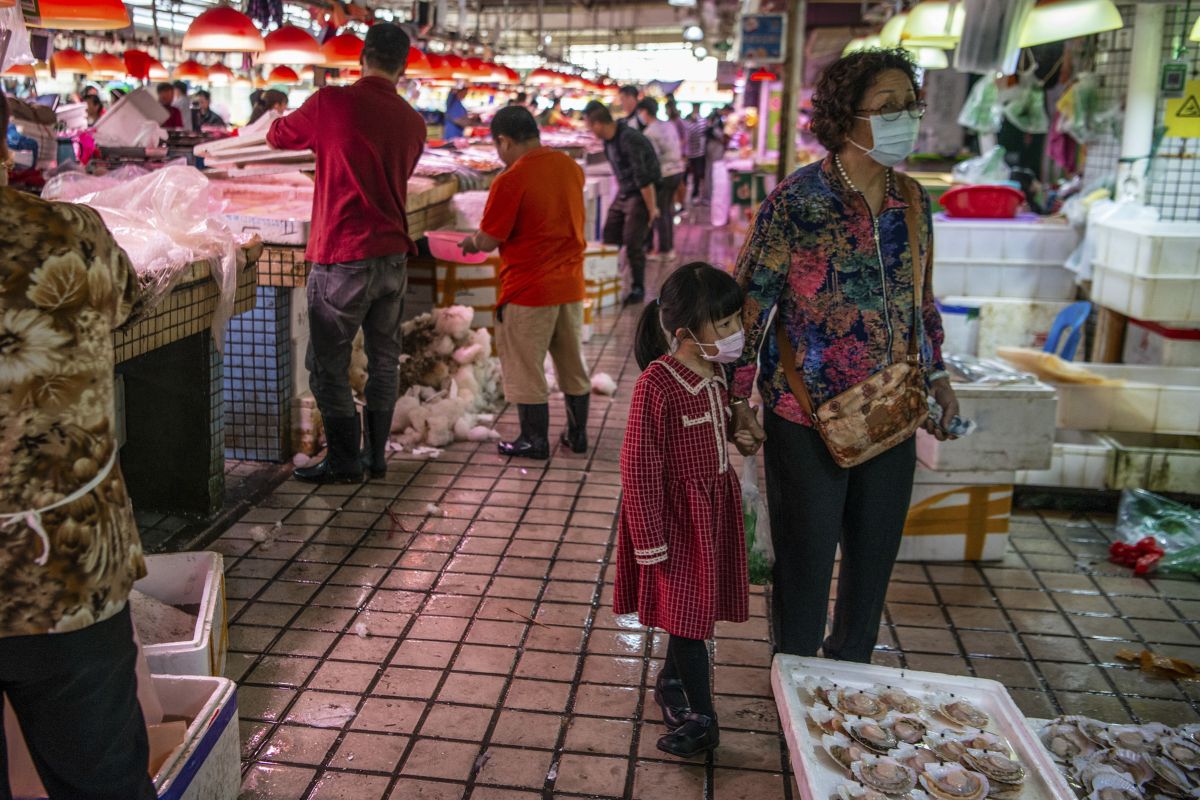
885	409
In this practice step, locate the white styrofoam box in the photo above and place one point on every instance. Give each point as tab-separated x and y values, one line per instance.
1149	248
1155	462
960	324
601	261
1016	430
189	579
1156	298
958	516
1153	344
271	230
1016	322
1082	460
468	210
998	279
1151	400
818	776
298	340
123	122
1027	240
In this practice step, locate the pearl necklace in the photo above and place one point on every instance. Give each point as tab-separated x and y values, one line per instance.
837	162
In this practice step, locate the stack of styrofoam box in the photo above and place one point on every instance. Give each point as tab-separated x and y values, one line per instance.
962	497
1021	257
1137	399
1148	270
601	273
1082	460
1156	345
977	326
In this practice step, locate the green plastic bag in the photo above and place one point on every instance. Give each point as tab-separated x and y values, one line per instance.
982	111
1175	526
760	556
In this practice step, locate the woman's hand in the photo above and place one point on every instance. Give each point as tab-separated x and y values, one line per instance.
943	393
468	245
748	435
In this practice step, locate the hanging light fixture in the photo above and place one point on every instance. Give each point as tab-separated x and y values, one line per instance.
929	57
190	71
107	65
418	65
242	80
479	71
934	23
291	45
156	71
1056	20
345	50
19	71
308	73
761	75
1195	37
283	75
220	75
90	15
890	35
458	67
71	61
861	43
223	30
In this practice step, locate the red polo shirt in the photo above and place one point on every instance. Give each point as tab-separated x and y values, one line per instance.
367	140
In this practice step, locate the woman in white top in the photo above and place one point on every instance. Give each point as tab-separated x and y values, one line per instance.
669	149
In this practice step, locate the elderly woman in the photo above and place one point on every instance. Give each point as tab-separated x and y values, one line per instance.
830	260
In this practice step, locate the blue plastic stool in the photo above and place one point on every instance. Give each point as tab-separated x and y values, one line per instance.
1069	324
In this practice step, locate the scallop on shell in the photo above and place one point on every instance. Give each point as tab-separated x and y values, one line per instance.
896	699
1169	778
908	728
1190	731
842	750
1137	738
952	782
858	703
947	745
983	740
819	689
825	718
1124	761
856	791
914	757
885	774
994	766
960	711
871	734
1065	742
1183	752
1113	786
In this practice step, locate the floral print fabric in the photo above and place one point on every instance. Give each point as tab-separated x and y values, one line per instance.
64	286
812	258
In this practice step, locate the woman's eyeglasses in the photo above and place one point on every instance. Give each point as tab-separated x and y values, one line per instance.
915	110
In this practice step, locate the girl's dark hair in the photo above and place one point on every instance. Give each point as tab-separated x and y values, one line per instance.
267	99
842	86
693	296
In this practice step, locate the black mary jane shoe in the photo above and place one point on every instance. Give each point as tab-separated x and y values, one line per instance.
672	701
698	734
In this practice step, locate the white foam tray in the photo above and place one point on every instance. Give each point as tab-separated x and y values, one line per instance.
818	777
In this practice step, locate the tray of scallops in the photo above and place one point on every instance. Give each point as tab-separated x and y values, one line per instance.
865	732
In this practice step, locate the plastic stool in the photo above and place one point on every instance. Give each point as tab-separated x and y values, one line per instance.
1069	324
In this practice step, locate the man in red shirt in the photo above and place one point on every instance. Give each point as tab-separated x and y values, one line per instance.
166	97
535	215
367	140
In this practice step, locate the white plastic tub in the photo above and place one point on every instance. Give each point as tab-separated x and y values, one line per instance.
1029	281
1152	400
1152	344
818	777
1149	248
1156	298
1155	462
1082	460
272	230
1028	239
1016	430
189	579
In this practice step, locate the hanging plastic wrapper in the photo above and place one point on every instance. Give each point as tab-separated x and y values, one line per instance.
982	111
985	371
163	221
1174	527
1087	115
1025	104
14	38
760	555
989	168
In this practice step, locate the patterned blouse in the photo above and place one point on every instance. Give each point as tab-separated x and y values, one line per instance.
64	285
841	281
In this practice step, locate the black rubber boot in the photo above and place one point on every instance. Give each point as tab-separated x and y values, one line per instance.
575	436
534	441
378	430
341	463
698	734
672	701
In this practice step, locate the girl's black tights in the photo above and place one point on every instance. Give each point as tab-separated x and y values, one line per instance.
687	659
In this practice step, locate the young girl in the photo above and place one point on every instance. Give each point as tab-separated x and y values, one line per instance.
681	550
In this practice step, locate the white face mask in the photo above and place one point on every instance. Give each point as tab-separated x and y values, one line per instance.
894	139
729	349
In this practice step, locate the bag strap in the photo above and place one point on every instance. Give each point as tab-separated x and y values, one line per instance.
787	357
912	221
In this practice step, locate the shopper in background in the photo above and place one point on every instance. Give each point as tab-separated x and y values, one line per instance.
184	104
457	118
681	548
166	98
636	207
694	150
71	546
205	116
716	141
535	215
270	100
367	140
676	121
629	97
829	256
663	137
95	108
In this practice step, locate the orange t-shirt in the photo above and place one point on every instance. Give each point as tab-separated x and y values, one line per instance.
535	209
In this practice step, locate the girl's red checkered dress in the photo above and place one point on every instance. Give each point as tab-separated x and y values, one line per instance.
681	547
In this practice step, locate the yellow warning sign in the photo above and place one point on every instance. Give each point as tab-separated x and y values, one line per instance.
1183	114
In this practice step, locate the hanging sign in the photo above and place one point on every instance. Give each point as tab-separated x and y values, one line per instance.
763	37
1174	76
1183	114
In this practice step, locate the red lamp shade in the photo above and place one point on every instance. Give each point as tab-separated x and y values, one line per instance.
19	71
285	75
344	50
137	64
191	71
459	70
107	65
89	15
223	30
763	75
478	70
291	45
418	65
220	75
71	61
440	68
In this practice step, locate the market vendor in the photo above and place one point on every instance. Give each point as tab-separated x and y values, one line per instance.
205	116
71	549
535	215
457	118
636	206
166	98
95	108
665	139
629	97
366	139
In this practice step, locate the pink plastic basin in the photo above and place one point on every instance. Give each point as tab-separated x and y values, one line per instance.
445	247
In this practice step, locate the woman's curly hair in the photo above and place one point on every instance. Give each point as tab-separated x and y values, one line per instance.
841	88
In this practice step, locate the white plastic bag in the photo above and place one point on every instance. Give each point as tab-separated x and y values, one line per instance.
759	551
989	168
17	51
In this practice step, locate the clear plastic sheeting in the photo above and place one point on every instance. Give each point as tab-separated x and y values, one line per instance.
1087	115
1174	526
989	168
982	111
985	371
17	51
163	220
1025	104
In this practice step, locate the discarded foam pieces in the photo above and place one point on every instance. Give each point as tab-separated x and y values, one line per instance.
958	516
195	579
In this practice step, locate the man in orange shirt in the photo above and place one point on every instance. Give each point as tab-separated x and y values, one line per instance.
535	215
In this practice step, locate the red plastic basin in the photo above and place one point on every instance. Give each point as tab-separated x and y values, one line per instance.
982	201
444	245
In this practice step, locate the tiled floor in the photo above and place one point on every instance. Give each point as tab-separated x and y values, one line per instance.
492	666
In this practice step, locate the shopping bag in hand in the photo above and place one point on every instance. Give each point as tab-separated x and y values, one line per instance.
759	554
